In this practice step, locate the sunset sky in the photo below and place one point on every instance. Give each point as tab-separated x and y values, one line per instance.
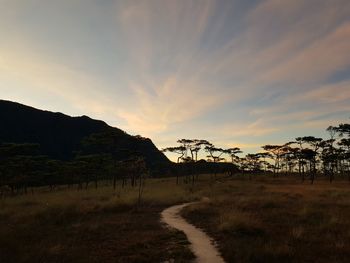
237	73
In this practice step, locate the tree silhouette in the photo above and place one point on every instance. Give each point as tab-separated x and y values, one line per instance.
180	150
232	152
265	155
275	151
311	154
214	152
253	163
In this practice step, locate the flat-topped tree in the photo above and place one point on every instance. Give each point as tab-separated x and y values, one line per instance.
196	147
232	152
275	151
254	162
186	143
343	154
264	156
180	150
314	144
243	164
193	146
301	158
288	157
311	140
294	154
214	152
343	129
329	156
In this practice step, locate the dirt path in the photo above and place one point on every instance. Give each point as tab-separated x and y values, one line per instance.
201	244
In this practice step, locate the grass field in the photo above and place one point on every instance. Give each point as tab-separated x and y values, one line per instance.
259	220
277	220
92	226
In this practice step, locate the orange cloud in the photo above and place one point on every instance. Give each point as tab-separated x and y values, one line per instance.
167	103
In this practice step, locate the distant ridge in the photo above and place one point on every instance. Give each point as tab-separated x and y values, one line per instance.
60	135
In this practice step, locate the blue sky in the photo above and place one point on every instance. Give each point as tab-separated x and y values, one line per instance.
238	73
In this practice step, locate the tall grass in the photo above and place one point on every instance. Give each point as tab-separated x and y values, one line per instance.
73	226
278	220
259	220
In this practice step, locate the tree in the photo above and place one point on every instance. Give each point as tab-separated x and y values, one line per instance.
329	156
288	157
275	151
214	152
139	166
180	150
343	129
265	155
21	165
197	146
253	163
344	156
232	152
311	154
186	144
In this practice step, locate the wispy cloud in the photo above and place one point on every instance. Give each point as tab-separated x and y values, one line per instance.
36	81
167	103
241	71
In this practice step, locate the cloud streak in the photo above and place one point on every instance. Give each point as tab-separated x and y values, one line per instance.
221	70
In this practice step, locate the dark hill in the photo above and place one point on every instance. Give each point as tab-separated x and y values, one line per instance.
60	136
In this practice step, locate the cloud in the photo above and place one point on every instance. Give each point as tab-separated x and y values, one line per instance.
330	93
171	69
287	42
42	83
257	128
316	62
167	103
282	51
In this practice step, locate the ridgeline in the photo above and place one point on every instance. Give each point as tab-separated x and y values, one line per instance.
60	136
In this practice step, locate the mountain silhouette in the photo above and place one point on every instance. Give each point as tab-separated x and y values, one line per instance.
60	136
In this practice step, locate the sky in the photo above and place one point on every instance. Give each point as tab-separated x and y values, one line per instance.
237	73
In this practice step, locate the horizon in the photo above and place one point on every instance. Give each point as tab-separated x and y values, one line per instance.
170	155
237	73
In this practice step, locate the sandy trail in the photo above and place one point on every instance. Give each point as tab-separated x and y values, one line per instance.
201	244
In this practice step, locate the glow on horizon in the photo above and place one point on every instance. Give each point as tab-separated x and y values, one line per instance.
237	73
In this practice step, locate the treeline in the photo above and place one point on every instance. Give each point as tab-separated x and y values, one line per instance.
306	156
23	168
102	157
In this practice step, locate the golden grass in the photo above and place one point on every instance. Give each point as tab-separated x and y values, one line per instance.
93	225
259	220
278	220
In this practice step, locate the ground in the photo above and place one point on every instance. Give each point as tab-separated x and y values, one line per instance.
260	220
277	220
90	226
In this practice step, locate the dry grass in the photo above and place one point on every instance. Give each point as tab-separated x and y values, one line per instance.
92	225
263	220
278	220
